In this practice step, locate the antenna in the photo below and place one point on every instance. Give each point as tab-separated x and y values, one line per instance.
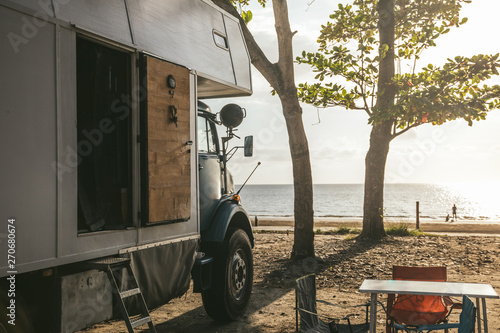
248	178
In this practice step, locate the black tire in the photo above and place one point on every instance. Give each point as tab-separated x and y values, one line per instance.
232	279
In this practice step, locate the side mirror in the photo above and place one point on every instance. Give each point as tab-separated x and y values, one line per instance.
248	148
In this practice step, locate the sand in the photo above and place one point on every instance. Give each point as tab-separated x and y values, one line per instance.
341	266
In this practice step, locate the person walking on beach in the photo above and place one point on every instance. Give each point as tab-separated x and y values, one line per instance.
454	211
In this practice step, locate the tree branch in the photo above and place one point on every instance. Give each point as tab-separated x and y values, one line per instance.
352	107
285	36
395	135
362	85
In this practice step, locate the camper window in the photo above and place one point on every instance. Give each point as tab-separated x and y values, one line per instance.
104	138
220	40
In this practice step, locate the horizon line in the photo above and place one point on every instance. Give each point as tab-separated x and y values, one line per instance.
391	183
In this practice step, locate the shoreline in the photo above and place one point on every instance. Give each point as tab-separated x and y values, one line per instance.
426	225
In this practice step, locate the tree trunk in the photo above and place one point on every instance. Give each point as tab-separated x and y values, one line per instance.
381	135
281	77
376	157
303	245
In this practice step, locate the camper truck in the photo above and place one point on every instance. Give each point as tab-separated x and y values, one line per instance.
113	178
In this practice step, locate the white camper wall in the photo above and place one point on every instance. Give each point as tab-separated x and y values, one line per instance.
28	132
38	111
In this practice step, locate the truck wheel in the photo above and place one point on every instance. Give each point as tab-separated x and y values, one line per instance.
229	295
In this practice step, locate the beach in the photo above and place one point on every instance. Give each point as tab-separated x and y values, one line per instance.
465	227
341	265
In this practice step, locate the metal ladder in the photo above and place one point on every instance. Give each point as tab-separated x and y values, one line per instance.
110	265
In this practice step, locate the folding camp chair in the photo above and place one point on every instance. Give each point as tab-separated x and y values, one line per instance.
305	308
466	324
418	309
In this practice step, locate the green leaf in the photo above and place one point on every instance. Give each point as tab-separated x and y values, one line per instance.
247	16
349	51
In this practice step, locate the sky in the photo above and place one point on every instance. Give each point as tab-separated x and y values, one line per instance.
339	139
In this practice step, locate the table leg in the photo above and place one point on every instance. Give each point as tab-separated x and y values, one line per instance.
478	316
485	316
373	313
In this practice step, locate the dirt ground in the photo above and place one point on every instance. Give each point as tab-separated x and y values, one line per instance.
341	266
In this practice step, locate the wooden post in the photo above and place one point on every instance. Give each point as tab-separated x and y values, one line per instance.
418	216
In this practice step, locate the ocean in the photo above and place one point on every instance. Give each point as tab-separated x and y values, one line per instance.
475	201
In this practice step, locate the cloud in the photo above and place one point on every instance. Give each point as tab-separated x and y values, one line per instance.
337	148
494	149
460	149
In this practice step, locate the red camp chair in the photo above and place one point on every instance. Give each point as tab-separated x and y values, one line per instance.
417	309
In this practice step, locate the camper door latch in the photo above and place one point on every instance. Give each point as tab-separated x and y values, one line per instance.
189	143
173	114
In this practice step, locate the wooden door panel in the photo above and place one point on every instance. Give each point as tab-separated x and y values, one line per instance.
168	160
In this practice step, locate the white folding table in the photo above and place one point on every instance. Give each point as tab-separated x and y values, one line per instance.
480	291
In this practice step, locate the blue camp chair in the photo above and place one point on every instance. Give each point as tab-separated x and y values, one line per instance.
311	321
466	324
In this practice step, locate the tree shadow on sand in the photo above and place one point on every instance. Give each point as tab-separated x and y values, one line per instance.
197	320
287	271
277	280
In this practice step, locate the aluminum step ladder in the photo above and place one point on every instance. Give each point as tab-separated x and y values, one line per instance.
110	265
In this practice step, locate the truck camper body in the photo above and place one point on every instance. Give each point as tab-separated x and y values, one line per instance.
100	130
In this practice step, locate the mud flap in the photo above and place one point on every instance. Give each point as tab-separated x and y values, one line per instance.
202	274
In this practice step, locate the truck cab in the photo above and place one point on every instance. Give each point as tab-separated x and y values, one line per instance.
225	226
